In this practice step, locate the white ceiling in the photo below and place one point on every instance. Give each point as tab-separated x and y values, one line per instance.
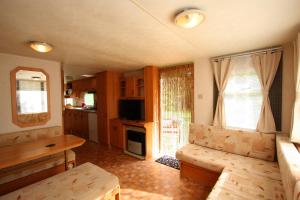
94	35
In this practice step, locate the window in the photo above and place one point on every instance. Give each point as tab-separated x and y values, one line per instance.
89	99
69	102
243	95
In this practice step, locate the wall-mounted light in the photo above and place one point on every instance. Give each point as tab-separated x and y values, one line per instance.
41	47
189	18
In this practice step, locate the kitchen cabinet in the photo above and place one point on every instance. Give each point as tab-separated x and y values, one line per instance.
76	90
83	85
132	87
76	123
68	121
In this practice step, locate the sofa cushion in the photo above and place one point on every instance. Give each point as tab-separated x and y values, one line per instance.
85	182
232	185
289	163
29	135
251	144
216	160
21	170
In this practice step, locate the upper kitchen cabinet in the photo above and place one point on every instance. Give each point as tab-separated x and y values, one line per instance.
83	85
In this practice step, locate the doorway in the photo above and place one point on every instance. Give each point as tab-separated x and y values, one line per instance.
176	107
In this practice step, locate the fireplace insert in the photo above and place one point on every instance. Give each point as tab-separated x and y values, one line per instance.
136	140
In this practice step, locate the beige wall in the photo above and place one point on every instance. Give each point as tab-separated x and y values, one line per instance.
9	62
288	87
203	91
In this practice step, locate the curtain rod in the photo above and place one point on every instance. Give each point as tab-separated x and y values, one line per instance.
278	48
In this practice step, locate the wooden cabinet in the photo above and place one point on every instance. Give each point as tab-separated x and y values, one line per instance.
83	85
116	133
107	103
75	89
118	136
132	87
151	94
68	121
110	88
76	123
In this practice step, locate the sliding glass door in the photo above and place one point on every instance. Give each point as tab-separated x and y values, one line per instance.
176	107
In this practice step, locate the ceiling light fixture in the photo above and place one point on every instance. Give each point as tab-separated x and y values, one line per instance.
41	47
189	18
87	75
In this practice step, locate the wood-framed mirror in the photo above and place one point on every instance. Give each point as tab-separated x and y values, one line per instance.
30	96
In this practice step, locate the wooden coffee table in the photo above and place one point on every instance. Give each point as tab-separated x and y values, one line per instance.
23	152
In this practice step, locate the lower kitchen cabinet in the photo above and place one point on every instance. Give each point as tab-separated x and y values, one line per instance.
76	123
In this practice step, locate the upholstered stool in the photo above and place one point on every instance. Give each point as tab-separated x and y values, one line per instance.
85	182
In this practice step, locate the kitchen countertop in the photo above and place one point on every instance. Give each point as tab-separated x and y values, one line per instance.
81	109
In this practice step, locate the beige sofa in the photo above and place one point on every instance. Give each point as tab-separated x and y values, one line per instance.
245	161
289	163
17	176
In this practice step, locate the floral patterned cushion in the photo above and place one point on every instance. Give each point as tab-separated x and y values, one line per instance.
289	163
232	185
30	135
216	160
241	177
85	182
251	144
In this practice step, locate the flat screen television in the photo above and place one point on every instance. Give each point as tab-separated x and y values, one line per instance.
132	109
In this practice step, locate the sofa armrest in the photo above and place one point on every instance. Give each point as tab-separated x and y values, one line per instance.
289	164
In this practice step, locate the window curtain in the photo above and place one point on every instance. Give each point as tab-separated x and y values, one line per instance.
176	106
221	69
266	65
295	133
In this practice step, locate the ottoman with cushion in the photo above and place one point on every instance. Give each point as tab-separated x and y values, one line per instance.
85	182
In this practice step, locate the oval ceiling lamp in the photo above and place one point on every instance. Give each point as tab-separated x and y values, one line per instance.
189	18
41	47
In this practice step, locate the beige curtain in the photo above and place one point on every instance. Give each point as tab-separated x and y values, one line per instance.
266	65
221	69
295	133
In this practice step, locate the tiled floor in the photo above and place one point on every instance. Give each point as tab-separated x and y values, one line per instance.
140	179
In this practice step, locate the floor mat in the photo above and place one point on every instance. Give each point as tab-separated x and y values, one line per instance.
169	161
